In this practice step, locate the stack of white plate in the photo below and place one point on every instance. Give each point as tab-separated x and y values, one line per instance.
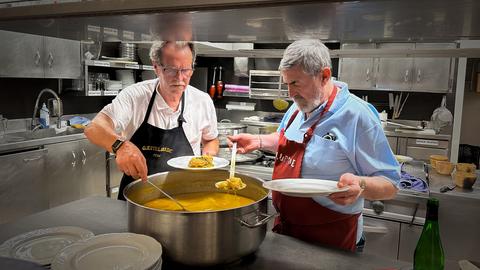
128	51
126	76
111	251
41	246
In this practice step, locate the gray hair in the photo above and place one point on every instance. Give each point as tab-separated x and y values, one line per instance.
157	47
311	54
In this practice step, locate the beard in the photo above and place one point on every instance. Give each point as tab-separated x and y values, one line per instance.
307	106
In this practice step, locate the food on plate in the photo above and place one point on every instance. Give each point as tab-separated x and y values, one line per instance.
232	183
203	161
201	201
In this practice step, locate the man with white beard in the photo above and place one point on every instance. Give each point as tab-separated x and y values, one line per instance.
326	134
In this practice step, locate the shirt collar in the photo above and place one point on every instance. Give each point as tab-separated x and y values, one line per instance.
162	104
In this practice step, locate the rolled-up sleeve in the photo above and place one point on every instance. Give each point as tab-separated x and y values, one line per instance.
120	111
374	157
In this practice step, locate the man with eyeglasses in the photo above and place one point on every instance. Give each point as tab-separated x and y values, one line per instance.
328	133
152	121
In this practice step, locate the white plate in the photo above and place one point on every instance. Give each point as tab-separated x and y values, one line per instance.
110	251
301	187
41	246
403	159
182	163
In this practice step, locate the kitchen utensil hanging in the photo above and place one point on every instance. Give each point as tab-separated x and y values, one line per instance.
212	89
398	105
219	84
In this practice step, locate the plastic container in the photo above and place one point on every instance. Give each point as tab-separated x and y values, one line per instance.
44	116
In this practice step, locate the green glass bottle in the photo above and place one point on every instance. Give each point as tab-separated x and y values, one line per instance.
429	252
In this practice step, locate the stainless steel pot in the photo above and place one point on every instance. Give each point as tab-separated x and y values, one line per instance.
226	128
199	238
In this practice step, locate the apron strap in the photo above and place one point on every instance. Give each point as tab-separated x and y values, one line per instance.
150	104
308	135
180	120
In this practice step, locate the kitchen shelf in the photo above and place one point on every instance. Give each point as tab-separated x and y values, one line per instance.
109	64
236	94
115	64
267	84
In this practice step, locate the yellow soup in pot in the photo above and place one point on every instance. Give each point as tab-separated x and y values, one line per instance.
201	201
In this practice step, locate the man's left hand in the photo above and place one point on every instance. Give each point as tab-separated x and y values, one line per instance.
352	194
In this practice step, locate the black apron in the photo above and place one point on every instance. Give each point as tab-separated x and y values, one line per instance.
158	145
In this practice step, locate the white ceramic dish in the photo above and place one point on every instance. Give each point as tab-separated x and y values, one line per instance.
111	251
403	159
182	163
41	246
300	187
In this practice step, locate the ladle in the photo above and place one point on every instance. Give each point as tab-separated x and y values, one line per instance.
226	183
167	195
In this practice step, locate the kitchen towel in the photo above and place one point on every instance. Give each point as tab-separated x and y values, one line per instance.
408	181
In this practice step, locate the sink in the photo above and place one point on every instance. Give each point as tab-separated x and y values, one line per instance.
38	134
51	132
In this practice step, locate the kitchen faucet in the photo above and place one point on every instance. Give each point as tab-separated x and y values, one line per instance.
58	111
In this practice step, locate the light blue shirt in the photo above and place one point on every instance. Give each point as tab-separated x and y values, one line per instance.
361	147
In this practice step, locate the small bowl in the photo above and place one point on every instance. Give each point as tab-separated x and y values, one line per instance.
464	179
466	167
435	158
444	167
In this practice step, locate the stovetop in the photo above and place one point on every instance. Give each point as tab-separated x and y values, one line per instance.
262	167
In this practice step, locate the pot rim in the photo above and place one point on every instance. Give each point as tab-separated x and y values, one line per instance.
193	212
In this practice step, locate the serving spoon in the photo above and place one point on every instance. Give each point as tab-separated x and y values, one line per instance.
167	195
228	184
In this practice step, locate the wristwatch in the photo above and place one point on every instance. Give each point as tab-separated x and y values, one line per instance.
363	183
116	145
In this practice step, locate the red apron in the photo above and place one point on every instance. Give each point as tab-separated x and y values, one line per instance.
304	218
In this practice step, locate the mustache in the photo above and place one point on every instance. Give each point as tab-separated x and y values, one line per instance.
298	99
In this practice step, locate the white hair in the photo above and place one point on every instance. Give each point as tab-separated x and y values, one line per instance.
311	54
157	47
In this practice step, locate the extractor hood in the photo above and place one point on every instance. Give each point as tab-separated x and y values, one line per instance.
251	21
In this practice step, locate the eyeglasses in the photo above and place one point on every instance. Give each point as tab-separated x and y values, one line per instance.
171	72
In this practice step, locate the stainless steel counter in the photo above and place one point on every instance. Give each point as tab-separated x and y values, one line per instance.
445	137
19	143
103	215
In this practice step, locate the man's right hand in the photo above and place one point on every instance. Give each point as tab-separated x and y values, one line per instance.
245	142
131	161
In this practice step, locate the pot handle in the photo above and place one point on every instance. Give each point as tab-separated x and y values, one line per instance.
225	121
262	217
